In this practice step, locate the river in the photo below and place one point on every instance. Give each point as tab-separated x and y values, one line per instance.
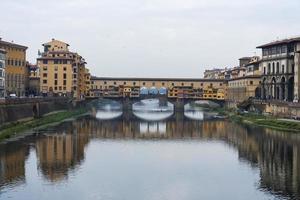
181	157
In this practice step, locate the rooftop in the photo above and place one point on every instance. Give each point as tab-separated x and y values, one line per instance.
279	42
12	44
154	79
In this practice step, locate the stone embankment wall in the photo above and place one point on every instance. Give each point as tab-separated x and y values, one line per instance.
19	109
275	108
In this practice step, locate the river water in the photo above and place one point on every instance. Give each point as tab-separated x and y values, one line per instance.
127	158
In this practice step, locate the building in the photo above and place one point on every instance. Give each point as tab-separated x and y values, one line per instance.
280	66
177	88
34	80
61	71
252	68
16	73
214	73
242	88
87	77
2	73
244	82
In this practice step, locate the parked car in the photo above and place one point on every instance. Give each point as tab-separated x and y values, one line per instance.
13	96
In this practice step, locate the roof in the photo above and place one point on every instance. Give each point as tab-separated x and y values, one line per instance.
12	44
155	79
245	58
246	77
56	41
278	42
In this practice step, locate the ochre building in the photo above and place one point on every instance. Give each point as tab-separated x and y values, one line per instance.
16	71
62	72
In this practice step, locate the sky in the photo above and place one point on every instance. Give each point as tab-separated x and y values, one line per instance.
151	38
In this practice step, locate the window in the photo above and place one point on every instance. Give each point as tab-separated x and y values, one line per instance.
65	76
65	69
153	83
269	68
251	82
65	61
173	84
45	68
144	83
55	82
45	61
55	61
45	81
16	63
55	75
65	82
277	67
105	82
115	83
264	70
221	84
163	84
55	68
44	75
59	87
273	68
282	69
124	83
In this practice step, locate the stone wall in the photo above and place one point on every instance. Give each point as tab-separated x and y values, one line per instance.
14	110
275	108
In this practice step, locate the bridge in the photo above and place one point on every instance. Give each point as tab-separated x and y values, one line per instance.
173	88
125	105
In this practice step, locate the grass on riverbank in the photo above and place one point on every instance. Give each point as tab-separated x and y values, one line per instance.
266	121
15	128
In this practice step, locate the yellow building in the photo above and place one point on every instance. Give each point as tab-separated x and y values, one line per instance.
15	68
87	77
242	88
62	72
173	88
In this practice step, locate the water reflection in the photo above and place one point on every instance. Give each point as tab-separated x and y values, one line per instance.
194	112
62	150
153	110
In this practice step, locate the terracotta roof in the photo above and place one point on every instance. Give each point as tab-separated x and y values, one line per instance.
278	42
12	44
155	79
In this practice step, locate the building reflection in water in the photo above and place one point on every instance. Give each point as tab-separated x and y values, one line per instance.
12	163
61	150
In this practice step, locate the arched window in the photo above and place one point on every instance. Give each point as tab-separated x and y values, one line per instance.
282	69
273	68
269	68
277	67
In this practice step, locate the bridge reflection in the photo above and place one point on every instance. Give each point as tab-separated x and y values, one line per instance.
61	151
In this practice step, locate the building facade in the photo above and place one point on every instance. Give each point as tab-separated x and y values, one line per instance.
16	73
243	88
173	88
280	70
61	71
34	80
2	73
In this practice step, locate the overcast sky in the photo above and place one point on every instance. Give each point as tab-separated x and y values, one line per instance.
151	38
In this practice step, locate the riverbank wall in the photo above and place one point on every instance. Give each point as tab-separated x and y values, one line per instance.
12	110
275	108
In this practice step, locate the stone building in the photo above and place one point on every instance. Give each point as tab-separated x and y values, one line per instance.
280	70
2	73
16	73
62	72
